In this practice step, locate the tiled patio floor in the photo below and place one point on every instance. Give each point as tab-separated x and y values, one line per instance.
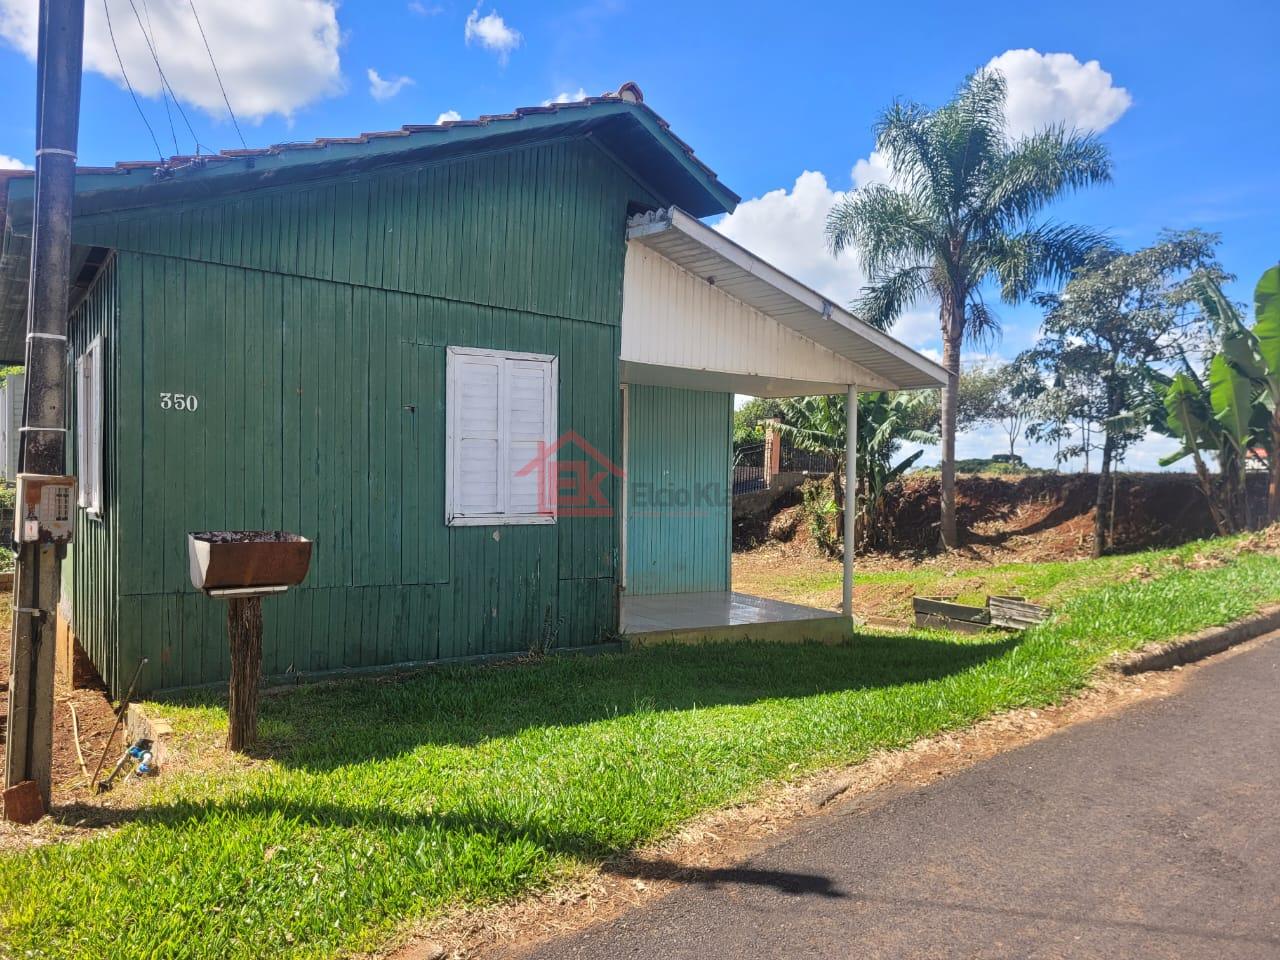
724	613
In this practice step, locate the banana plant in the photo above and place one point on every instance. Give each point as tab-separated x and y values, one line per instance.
1187	413
1249	362
1266	331
885	421
1231	396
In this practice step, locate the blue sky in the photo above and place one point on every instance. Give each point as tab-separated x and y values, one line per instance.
778	98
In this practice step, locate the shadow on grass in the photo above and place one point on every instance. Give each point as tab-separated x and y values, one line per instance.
322	726
614	859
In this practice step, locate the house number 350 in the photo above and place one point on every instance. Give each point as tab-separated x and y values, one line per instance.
179	401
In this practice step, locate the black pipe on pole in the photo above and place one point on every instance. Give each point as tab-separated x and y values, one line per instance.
42	444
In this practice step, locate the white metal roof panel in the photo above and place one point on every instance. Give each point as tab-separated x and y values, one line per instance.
719	261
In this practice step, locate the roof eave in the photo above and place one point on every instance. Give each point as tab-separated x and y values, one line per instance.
917	372
140	184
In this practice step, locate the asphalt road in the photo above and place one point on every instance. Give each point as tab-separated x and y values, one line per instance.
1151	833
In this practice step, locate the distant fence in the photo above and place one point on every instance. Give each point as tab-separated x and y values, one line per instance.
795	460
751	468
748	468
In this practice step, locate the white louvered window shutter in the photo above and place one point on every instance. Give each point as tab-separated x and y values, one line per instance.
89	424
82	428
477	388
96	425
528	446
501	416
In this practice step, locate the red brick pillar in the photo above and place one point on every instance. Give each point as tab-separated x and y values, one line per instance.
772	451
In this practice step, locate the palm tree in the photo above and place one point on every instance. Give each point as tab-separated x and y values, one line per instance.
960	210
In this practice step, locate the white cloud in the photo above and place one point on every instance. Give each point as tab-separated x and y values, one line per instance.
448	116
425	9
1146	453
275	56
787	228
1056	88
920	328
13	163
492	33
1044	89
872	169
567	97
381	89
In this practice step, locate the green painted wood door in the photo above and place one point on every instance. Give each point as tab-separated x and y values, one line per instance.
679	446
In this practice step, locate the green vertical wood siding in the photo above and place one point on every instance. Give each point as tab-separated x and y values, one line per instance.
90	576
537	229
678	505
311	323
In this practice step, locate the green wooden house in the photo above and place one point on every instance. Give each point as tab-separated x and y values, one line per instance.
486	366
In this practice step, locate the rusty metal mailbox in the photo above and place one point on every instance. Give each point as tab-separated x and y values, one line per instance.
247	561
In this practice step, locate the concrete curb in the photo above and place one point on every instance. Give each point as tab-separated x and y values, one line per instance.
1197	646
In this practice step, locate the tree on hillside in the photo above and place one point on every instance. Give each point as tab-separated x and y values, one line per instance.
1067	412
996	394
960	210
975	395
1015	408
1008	389
1118	315
747	419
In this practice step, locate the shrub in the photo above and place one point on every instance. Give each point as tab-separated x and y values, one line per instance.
818	507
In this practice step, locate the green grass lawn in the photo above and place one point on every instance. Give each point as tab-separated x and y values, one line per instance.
1047	583
382	801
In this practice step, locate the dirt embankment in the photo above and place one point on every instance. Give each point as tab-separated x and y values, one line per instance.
1030	518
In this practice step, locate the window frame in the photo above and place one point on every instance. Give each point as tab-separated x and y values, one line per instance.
89	428
453	434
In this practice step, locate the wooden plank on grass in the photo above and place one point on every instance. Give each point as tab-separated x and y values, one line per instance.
1016	612
950	610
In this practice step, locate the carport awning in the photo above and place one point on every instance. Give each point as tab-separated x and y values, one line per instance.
881	361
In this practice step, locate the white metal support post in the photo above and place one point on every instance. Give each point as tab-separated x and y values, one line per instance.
624	491
850	488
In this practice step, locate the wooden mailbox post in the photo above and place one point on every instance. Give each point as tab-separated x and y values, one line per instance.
242	567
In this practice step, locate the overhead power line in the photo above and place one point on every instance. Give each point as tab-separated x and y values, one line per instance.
164	95
120	62
164	80
217	75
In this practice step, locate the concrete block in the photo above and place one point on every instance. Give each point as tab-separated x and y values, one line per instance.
22	803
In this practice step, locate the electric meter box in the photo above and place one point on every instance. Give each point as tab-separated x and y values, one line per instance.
44	508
